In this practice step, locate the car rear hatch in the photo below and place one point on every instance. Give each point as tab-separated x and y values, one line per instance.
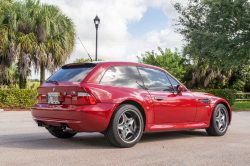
61	87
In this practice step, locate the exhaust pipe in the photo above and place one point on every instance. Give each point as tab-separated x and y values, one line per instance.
66	128
41	124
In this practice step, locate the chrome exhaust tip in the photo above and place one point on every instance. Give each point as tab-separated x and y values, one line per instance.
66	128
41	124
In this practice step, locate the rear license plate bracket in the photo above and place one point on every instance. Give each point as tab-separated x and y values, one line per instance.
53	98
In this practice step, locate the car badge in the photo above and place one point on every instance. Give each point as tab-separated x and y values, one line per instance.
73	92
53	89
65	93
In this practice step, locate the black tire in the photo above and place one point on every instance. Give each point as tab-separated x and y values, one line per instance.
218	126
125	127
59	133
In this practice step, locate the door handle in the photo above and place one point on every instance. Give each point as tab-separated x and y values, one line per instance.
159	98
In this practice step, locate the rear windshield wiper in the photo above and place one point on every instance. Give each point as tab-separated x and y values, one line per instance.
52	81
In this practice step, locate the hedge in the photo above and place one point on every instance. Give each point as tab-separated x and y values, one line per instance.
26	98
228	95
17	98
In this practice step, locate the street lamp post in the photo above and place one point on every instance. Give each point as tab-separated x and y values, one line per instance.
97	22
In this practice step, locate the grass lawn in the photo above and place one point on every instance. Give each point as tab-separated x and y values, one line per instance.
241	106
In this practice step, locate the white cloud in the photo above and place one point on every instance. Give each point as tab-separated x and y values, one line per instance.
114	41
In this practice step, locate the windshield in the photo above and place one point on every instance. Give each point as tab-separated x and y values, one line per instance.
70	75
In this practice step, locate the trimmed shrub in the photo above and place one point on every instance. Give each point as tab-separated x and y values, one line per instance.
17	98
228	95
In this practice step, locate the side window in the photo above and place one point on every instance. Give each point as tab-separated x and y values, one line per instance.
174	83
155	79
122	76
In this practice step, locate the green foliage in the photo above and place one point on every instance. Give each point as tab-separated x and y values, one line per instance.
85	60
241	106
170	61
34	80
217	36
34	33
242	96
228	95
21	98
238	85
32	85
217	30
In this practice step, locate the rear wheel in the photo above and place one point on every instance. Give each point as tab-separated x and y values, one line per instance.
219	121
126	126
59	133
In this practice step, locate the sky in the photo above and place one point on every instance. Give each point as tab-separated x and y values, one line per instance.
127	28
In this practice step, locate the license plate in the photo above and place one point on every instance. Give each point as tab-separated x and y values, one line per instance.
53	98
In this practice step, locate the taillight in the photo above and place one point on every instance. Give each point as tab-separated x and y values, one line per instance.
39	98
83	98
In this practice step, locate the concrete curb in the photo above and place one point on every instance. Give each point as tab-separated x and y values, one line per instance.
1	110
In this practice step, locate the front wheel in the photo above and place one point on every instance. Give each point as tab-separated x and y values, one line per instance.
126	126
219	121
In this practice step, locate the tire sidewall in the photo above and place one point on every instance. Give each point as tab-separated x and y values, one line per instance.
218	132
117	115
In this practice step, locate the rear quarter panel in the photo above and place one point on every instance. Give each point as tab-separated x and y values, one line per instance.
117	95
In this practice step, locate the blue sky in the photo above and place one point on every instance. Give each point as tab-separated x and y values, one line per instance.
128	28
153	19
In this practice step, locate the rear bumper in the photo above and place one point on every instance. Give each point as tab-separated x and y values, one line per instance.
87	118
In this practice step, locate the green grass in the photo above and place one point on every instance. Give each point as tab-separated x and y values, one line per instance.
241	106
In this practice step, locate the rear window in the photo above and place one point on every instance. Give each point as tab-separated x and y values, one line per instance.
71	74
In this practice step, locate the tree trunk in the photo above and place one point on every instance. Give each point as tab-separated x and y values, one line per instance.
208	78
2	73
42	73
22	82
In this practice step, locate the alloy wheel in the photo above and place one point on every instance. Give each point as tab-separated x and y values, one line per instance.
129	126
221	119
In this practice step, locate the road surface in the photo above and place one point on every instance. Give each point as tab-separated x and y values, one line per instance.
23	143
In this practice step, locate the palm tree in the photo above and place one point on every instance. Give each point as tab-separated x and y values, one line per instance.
36	34
8	48
55	37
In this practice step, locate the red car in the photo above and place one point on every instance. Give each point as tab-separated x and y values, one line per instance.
123	100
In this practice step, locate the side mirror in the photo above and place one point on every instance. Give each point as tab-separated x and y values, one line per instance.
179	89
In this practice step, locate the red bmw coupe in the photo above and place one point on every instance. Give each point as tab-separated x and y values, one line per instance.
123	100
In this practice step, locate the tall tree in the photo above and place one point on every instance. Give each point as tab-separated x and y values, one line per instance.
37	34
217	30
8	47
170	61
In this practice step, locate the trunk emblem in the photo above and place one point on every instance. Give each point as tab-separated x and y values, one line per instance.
53	89
73	92
65	93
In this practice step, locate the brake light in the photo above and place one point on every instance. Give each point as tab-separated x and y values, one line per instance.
83	98
38	98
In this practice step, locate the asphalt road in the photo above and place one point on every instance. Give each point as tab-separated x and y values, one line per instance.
23	143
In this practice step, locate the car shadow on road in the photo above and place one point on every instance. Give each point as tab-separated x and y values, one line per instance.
152	137
90	140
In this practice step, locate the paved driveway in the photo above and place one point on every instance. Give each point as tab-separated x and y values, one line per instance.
23	143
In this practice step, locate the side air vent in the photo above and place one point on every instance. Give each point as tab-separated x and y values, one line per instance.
204	100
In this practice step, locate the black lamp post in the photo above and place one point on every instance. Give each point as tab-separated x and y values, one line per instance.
97	22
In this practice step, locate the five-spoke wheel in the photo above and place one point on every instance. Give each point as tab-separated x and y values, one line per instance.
126	126
219	121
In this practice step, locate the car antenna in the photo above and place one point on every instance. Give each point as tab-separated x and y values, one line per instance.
85	49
